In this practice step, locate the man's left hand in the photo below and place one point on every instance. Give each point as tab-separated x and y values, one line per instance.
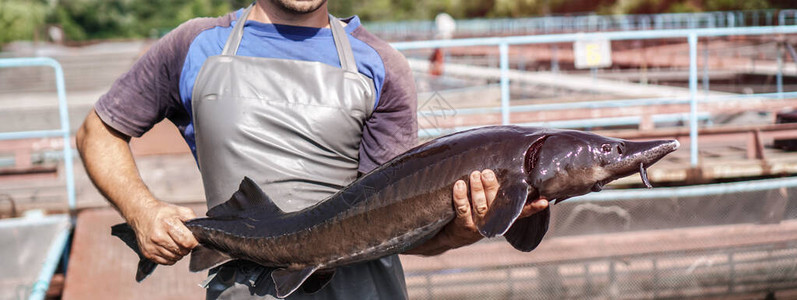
462	230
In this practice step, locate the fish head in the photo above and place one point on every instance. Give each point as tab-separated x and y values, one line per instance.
572	163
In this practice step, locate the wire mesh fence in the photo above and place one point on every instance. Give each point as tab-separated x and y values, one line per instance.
721	245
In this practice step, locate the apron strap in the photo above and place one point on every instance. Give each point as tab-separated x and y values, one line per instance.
234	40
342	45
345	54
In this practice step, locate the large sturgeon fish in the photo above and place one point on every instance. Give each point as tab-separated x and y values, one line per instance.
406	201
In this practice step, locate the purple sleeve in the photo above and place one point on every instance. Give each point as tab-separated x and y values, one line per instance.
150	90
393	126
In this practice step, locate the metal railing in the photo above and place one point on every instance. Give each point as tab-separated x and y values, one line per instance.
591	23
727	276
691	35
63	114
59	245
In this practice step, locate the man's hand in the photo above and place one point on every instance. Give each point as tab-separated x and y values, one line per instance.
161	234
159	228
462	230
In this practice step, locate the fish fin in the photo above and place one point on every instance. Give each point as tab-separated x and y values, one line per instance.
318	280
504	210
527	233
288	281
203	258
249	196
145	267
125	233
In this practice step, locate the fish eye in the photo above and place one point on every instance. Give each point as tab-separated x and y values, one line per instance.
606	148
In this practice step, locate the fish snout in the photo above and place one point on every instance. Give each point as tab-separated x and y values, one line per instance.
649	152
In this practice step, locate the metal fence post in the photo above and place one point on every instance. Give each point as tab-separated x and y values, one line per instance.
705	69
693	97
555	59
503	49
779	76
782	18
63	112
769	17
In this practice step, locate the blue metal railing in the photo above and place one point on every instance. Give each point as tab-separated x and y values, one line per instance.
63	114
690	191
691	35
59	245
592	23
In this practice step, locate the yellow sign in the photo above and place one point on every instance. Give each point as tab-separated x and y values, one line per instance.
592	54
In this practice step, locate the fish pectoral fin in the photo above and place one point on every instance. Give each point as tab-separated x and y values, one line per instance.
248	197
288	281
504	210
145	267
318	280
125	233
203	258
526	233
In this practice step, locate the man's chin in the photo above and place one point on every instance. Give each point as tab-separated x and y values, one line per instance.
298	7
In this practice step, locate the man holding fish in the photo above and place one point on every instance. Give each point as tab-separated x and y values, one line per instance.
301	102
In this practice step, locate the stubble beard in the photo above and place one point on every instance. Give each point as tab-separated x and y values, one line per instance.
298	7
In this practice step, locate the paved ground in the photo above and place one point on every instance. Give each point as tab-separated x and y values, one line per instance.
102	267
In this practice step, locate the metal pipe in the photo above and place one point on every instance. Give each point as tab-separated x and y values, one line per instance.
693	97
579	123
615	35
42	282
705	70
691	191
503	49
782	17
779	75
769	17
613	103
31	134
63	113
755	20
792	52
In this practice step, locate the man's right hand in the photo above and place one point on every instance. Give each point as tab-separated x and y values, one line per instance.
161	234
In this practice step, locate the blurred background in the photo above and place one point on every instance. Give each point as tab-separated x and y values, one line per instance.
718	75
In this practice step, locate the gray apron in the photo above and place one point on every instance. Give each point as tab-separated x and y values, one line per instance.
295	128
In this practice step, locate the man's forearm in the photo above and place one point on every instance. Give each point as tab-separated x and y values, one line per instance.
109	163
160	232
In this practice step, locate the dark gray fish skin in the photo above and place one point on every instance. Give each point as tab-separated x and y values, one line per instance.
406	201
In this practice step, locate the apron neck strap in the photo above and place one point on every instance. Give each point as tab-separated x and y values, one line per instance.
342	45
234	40
347	61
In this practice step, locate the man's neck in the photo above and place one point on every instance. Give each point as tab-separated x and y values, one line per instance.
265	12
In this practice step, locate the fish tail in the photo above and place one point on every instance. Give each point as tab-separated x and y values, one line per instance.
124	232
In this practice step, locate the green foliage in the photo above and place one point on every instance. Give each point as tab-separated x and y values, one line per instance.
100	19
518	8
712	5
393	10
19	20
97	19
130	18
